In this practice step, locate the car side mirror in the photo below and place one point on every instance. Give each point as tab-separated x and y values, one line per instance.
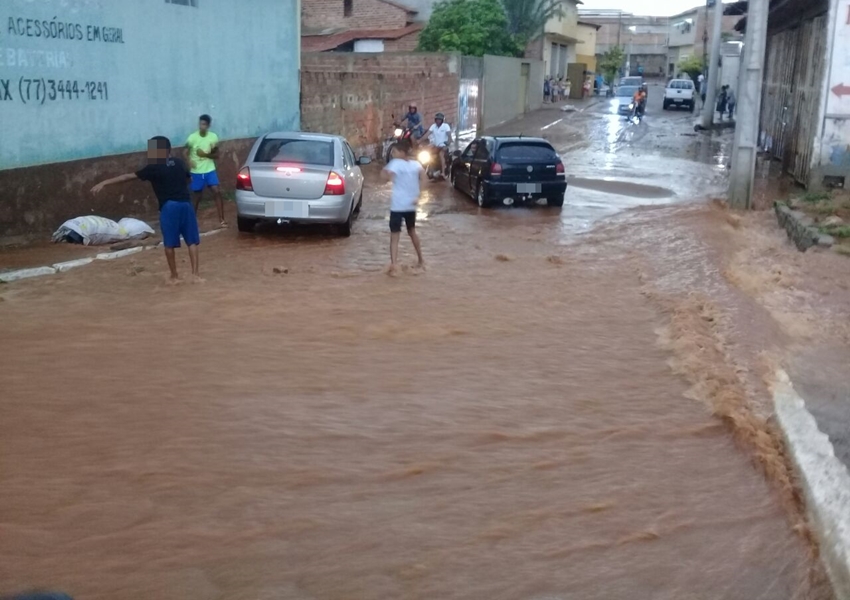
364	160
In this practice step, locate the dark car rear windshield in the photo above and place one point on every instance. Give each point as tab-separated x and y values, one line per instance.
527	152
312	152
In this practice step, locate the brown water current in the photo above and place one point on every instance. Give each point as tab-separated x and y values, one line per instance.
511	424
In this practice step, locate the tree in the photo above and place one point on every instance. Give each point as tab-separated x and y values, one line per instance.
693	66
471	27
611	63
526	18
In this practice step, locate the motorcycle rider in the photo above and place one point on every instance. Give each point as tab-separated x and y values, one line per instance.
640	101
440	135
414	120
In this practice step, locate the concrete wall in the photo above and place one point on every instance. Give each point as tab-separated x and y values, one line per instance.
134	69
138	69
586	47
502	94
831	157
360	95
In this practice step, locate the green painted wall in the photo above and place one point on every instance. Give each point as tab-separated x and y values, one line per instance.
88	78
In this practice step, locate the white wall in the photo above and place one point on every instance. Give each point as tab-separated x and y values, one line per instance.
832	147
369	46
141	68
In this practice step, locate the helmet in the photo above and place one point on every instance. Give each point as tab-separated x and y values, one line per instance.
440	116
412	105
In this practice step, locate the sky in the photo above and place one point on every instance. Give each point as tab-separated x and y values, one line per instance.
655	8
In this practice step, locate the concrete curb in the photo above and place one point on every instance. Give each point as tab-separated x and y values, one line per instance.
801	228
10	276
824	479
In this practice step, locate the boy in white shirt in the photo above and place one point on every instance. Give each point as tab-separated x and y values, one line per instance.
440	134
407	176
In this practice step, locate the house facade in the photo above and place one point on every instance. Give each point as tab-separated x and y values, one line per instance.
101	88
689	33
557	47
643	39
586	49
358	26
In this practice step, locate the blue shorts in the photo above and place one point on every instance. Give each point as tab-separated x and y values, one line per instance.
202	180
176	218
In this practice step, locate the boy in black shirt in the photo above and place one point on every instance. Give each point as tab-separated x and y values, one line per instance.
169	178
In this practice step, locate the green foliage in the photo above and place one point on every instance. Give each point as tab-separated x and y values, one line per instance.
471	27
526	18
611	63
815	197
839	231
693	66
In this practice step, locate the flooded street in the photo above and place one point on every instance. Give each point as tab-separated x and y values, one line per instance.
536	417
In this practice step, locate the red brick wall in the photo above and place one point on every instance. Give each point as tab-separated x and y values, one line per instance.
359	96
405	43
365	14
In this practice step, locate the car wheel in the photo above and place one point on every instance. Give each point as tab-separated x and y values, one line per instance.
359	204
692	106
481	196
245	225
666	106
557	201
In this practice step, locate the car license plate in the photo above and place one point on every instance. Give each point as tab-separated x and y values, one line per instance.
287	209
528	188
677	99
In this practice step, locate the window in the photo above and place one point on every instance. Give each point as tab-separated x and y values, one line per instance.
347	7
313	152
470	150
520	152
348	154
483	152
192	3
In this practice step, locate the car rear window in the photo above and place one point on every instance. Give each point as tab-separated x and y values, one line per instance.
313	152
527	152
682	85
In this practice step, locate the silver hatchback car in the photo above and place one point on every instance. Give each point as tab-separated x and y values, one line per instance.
300	178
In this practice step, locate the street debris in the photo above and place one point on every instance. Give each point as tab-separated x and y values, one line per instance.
95	231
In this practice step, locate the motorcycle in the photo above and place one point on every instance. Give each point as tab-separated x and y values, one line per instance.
635	113
398	134
429	158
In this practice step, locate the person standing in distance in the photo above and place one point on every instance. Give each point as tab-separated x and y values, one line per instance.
202	147
170	181
408	177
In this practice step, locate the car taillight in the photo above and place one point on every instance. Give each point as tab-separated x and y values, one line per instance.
559	168
243	180
496	169
335	185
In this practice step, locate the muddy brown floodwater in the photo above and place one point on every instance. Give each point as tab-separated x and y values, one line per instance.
506	425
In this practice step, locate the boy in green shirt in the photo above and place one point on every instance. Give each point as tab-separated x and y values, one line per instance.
202	147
